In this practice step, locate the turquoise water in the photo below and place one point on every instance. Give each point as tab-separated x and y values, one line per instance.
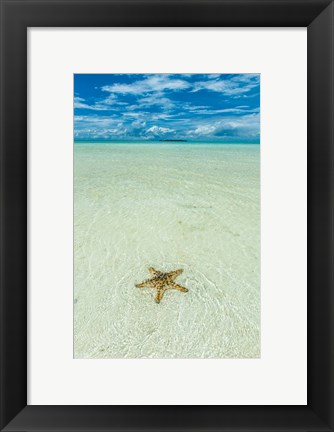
168	206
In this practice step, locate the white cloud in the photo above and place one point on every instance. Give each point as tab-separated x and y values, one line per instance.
243	127
204	130
153	83
134	114
80	102
95	126
207	111
158	130
161	116
103	105
155	99
236	85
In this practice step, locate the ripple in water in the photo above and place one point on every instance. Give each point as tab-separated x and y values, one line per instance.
195	207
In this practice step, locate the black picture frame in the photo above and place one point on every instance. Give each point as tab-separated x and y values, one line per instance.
16	17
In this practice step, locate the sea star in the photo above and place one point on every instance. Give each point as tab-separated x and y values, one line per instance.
161	282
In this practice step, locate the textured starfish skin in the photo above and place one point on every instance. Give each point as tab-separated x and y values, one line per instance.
162	282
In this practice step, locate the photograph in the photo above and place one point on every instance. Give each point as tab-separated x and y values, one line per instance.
167	216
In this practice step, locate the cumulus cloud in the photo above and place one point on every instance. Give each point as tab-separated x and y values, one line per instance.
159	130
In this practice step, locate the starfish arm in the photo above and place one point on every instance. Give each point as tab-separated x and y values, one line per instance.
159	295
178	287
175	273
153	271
144	284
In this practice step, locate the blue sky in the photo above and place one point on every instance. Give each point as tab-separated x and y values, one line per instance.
194	107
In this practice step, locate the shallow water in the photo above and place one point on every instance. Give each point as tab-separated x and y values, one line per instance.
170	206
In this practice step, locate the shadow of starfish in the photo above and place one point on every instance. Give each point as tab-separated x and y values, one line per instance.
162	282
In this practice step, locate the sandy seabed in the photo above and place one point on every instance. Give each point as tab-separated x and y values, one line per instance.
170	206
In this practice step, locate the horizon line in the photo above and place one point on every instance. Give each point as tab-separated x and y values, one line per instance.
161	141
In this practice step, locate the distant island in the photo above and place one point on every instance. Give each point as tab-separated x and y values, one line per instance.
171	140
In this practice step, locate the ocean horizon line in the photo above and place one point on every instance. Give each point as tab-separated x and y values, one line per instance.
176	142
